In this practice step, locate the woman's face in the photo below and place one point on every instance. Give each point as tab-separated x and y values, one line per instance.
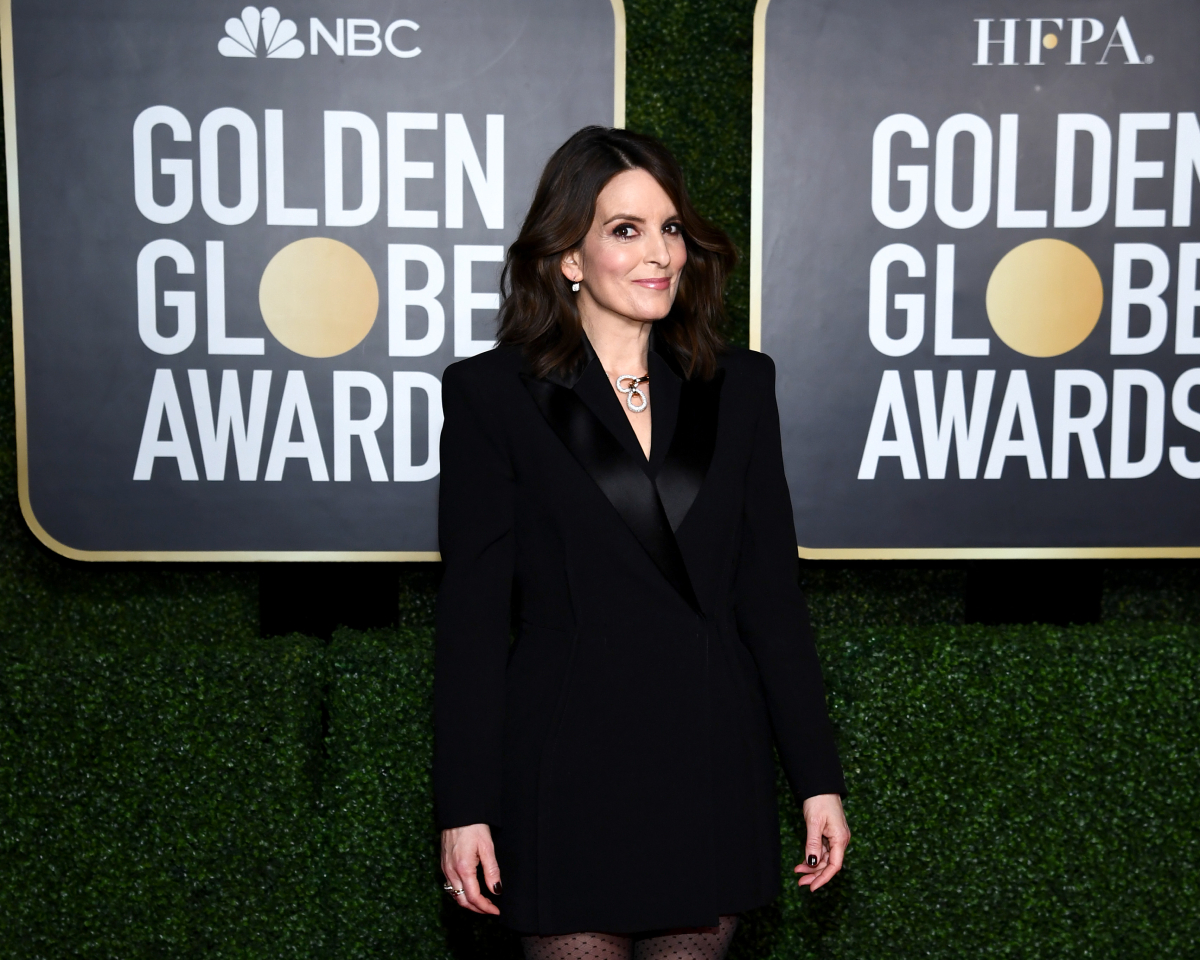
629	263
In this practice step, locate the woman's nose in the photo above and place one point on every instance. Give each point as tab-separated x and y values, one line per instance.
657	251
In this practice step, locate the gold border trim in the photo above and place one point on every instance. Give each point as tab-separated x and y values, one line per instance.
758	98
997	553
8	75
758	114
618	7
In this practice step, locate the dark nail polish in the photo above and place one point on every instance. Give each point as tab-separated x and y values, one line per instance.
498	888
812	859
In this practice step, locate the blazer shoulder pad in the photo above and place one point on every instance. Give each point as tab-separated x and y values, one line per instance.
754	368
484	369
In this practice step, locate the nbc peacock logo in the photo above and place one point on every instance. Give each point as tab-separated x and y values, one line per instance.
278	35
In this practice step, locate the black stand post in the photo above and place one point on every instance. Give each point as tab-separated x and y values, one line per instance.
1058	592
316	598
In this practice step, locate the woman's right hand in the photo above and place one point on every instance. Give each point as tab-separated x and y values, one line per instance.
463	849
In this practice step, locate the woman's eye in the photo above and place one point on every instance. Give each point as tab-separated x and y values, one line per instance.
624	231
672	228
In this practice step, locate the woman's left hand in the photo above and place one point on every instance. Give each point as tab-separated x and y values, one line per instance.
828	837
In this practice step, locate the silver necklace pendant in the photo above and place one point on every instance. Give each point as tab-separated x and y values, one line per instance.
632	390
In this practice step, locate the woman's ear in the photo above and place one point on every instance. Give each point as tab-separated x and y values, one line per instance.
569	264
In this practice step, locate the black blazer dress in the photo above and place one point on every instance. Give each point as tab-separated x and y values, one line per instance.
617	641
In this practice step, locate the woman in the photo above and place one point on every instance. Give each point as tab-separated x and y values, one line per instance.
620	628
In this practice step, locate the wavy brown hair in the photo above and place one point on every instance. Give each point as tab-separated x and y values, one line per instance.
539	312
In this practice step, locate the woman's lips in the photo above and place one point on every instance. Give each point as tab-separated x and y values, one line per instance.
655	283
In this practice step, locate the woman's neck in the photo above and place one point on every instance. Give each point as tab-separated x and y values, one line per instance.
621	345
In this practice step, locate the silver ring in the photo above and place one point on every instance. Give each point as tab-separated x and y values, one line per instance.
449	888
458	892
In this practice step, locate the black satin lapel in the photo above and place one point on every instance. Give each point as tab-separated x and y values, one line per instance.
686	464
618	475
664	408
594	389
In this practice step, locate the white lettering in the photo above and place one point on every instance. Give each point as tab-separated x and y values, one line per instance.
345	427
1007	214
1120	467
1187	299
296	406
1125	295
913	304
390	43
1069	126
337	122
1121	37
317	31
400	169
1095	31
1190	418
1035	38
467	300
278	213
945	344
461	158
164	400
943	186
1187	164
916	175
400	298
889	405
184	301
247	431
177	168
1084	427
1130	169
1016	406
985	42
363	31
210	183
218	342
403	384
966	433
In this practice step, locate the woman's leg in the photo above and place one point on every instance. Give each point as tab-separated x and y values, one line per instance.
706	943
578	946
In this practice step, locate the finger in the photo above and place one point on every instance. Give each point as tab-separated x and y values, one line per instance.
451	876
459	892
453	881
813	848
811	871
810	878
820	879
491	869
448	870
837	849
473	898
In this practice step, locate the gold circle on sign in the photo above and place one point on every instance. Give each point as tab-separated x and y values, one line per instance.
318	297
1050	41
1044	297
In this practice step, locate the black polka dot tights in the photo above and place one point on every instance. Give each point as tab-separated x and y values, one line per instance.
703	943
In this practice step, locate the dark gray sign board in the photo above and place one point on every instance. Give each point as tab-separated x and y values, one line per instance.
975	264
247	240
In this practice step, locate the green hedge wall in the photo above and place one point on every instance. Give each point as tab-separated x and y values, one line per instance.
160	801
1014	792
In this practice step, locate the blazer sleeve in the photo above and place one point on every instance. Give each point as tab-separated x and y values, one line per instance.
475	531
772	617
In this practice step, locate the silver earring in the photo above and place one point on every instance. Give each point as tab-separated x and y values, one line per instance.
575	287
